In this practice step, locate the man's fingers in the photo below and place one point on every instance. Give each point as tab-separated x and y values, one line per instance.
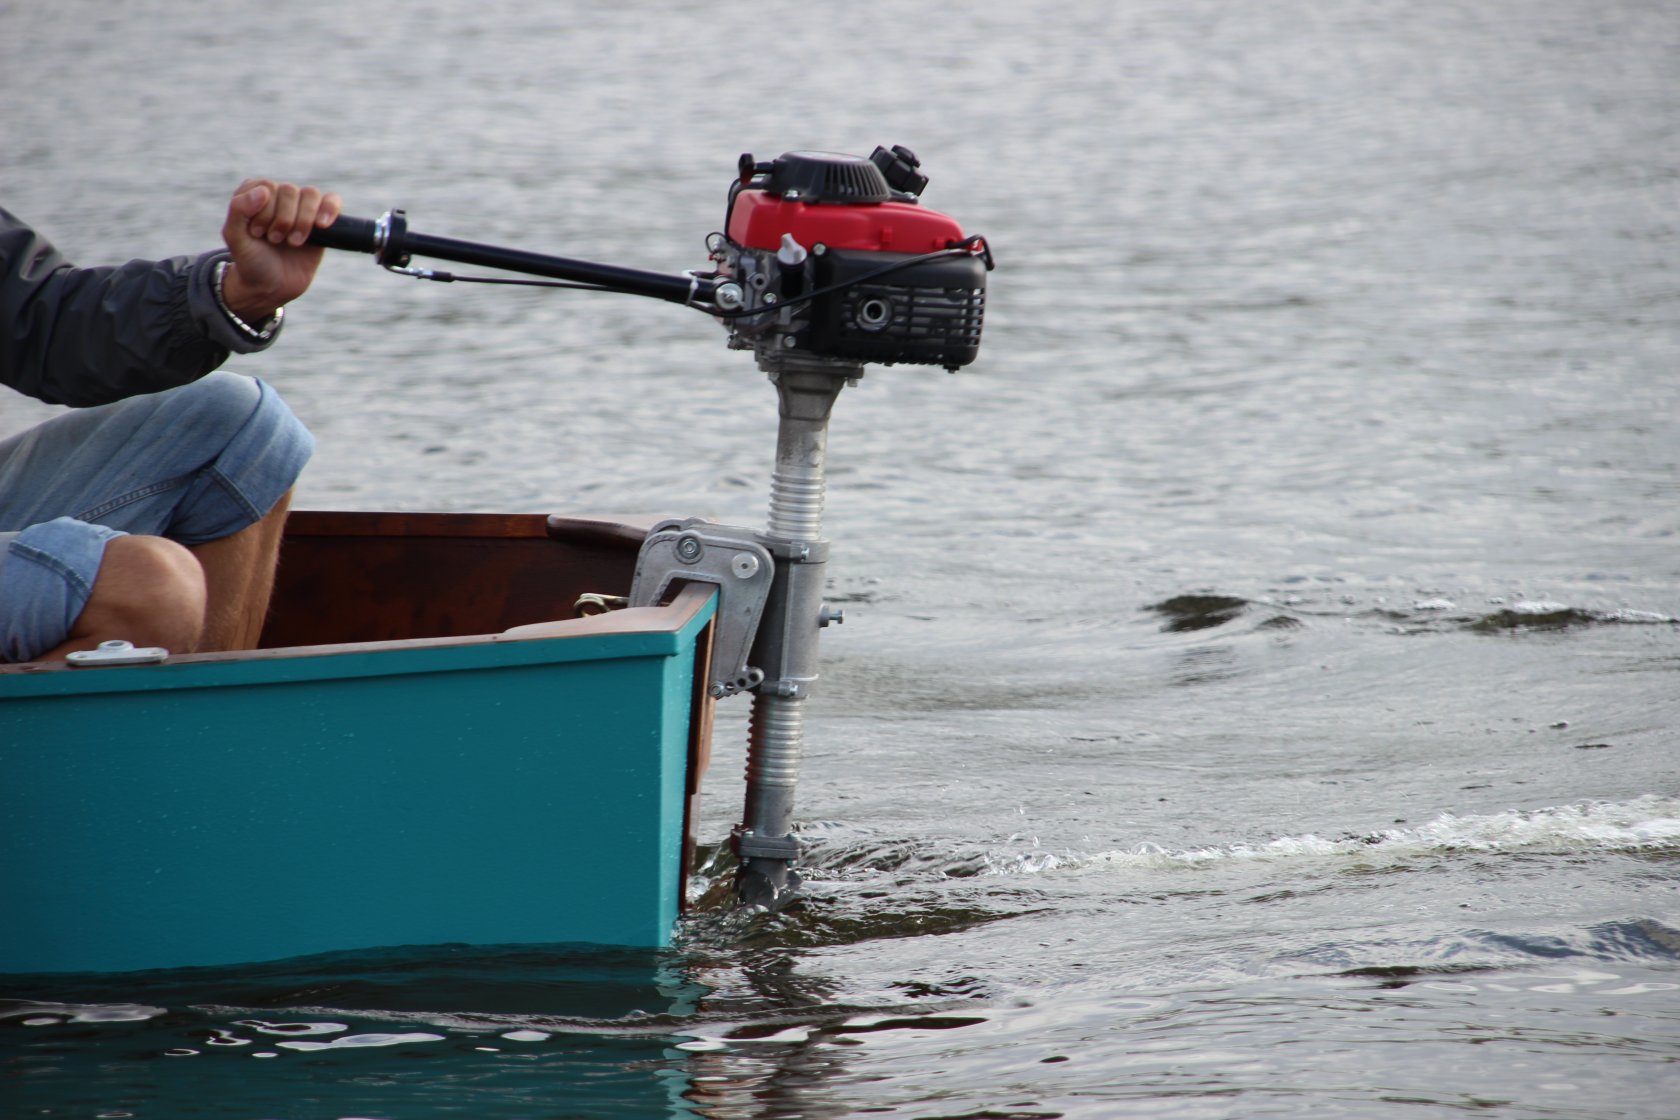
252	196
331	207
285	213
283	207
246	212
310	201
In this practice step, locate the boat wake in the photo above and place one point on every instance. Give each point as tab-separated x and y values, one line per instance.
1645	825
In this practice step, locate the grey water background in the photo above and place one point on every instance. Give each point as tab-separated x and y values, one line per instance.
1260	688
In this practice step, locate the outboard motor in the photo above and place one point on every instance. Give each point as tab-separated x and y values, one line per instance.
832	256
825	262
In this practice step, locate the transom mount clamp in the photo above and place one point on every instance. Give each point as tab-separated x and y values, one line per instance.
694	550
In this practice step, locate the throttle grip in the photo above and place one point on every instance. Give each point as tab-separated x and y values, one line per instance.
359	235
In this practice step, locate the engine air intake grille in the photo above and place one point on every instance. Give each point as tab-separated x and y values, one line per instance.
826	177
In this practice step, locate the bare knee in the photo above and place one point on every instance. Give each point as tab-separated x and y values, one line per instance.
150	591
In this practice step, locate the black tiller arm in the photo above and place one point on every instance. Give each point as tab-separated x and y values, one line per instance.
392	243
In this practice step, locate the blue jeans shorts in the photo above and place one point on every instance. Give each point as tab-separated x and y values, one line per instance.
193	464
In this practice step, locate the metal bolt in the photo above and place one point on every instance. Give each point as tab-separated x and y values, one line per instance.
689	549
744	565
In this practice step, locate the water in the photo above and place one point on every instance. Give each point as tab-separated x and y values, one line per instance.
1259	688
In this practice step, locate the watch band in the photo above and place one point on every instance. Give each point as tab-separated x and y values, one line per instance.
255	334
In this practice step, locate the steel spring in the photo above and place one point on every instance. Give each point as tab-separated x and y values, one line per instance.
775	731
796	505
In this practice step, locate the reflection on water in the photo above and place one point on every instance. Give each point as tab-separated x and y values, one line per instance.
475	1029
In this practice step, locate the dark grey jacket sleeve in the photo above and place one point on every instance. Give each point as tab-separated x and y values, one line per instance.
86	336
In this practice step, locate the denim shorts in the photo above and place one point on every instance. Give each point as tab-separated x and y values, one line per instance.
194	464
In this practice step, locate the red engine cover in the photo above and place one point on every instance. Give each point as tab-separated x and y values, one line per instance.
759	219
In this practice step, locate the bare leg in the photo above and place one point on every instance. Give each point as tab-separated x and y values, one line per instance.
239	578
149	591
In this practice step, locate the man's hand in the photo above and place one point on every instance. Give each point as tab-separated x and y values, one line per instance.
267	224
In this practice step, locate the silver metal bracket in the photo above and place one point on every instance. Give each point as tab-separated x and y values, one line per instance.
729	558
750	845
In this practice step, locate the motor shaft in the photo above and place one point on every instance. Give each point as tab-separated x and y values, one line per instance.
786	647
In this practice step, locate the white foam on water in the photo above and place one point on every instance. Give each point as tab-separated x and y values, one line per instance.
1553	982
1649	823
1626	614
291	1028
78	1012
358	1041
1537	606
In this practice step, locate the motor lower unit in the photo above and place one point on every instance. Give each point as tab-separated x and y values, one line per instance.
836	258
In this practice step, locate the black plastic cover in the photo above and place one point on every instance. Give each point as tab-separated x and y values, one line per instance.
928	313
827	177
898	166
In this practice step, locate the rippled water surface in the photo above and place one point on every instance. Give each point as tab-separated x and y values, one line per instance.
1260	689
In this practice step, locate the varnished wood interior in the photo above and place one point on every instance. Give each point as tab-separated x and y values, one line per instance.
363	577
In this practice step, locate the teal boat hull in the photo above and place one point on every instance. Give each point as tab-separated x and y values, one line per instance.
524	786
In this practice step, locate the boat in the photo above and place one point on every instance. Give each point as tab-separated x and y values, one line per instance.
485	729
431	749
